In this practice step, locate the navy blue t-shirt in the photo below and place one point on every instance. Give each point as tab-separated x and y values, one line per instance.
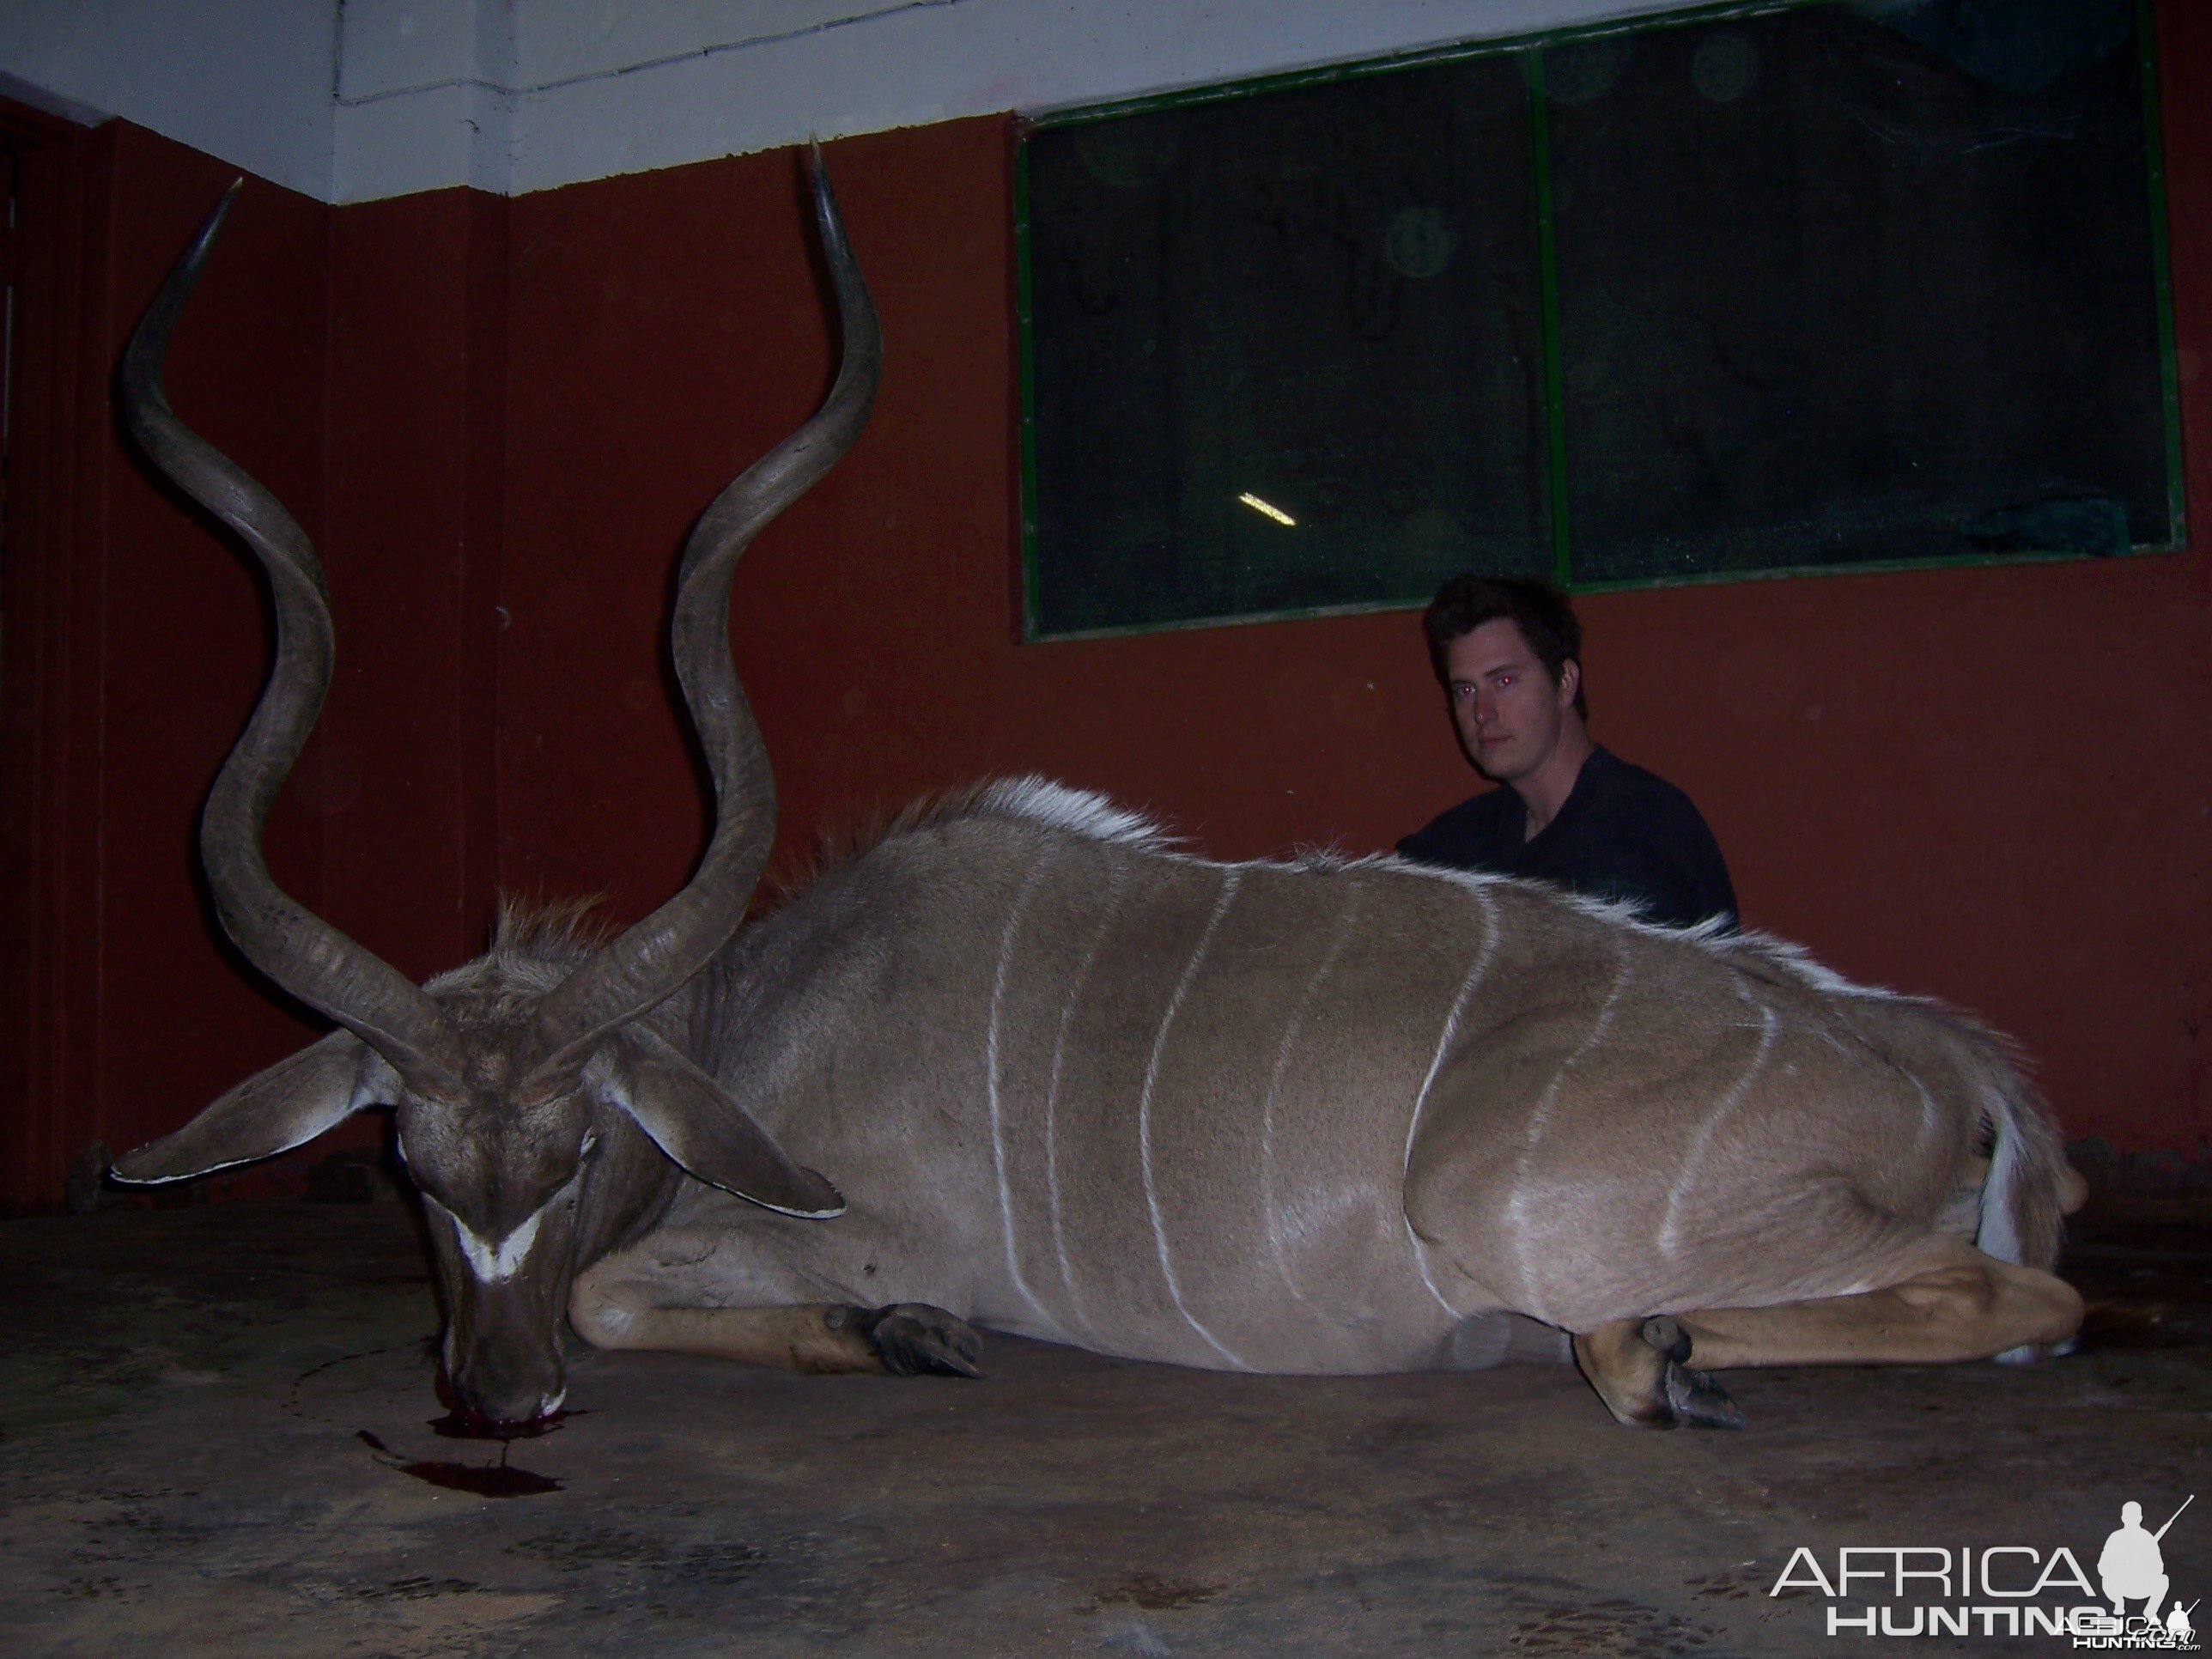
1622	834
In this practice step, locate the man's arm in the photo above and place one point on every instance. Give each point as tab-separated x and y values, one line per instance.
1697	882
1669	890
1653	849
1712	892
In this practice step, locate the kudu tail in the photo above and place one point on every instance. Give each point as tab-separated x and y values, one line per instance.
2030	1187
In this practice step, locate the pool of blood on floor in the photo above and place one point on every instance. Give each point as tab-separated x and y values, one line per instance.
498	1480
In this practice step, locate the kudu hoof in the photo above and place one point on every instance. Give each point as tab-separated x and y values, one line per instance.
913	1339
1693	1397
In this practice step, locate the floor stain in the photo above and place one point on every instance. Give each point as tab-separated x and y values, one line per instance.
1149	1592
416	1590
1607	1629
485	1479
1729	1584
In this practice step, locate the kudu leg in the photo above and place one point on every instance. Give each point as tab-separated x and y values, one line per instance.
1964	1305
1953	1304
909	1338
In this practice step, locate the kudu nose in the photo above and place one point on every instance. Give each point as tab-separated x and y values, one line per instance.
500	1392
507	1406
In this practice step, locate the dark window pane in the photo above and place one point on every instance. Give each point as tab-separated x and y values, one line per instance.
1322	297
1857	282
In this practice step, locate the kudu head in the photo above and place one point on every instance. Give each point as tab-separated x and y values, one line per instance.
534	1104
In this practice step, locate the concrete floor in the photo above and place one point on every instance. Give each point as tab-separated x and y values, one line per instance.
188	1401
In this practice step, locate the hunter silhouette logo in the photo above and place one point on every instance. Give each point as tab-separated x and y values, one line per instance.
2132	1566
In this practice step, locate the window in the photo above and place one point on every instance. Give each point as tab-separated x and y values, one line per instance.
1863	283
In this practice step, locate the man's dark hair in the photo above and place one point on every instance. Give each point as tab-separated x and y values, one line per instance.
1534	606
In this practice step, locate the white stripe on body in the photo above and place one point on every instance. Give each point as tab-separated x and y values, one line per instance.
1145	1113
1928	1115
1670	1230
1436	1064
1274	1086
1517	1211
1114	880
991	1073
1996	1232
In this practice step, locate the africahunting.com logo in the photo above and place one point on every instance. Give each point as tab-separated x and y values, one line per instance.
2009	1589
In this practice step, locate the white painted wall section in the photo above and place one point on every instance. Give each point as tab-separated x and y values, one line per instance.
425	96
608	87
368	98
249	81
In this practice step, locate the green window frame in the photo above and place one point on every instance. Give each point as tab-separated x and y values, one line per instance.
1552	420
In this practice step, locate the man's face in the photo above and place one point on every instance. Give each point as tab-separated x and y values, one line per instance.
1508	711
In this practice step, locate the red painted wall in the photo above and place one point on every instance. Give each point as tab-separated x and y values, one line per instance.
135	645
1990	785
354	363
414	505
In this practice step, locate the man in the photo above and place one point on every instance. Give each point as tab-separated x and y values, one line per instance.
1509	653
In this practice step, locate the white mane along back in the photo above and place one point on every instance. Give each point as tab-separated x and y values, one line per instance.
1084	812
1079	811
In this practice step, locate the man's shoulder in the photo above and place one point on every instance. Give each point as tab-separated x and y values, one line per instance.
1650	835
1490	806
1628	794
1625	780
1464	831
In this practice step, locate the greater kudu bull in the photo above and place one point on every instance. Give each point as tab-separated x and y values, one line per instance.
1307	1117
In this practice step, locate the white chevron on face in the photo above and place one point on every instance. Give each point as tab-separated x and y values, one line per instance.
493	1263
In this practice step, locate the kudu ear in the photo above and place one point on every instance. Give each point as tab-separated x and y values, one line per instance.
272	1112
692	1119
